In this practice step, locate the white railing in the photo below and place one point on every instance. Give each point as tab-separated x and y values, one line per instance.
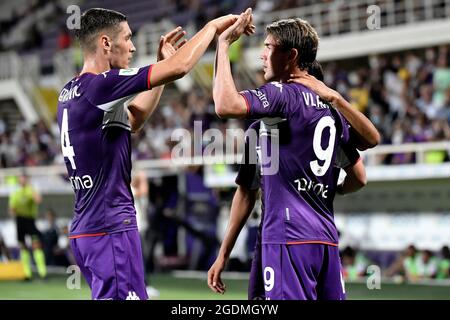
51	178
418	149
329	19
25	70
15	67
64	63
148	37
343	16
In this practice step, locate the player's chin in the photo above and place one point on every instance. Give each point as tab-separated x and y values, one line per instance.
268	76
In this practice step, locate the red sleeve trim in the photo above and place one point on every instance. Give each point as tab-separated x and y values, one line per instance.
247	104
149	84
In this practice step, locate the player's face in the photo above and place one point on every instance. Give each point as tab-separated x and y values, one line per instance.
122	48
274	60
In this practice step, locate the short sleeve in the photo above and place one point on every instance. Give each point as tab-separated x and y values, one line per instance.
109	88
347	155
265	101
249	174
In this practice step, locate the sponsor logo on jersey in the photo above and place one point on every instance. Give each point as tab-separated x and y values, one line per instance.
128	72
262	97
84	182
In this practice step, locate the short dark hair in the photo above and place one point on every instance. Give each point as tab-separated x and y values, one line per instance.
296	34
315	69
95	20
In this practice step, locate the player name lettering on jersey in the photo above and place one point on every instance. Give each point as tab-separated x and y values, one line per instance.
304	185
84	182
310	101
66	95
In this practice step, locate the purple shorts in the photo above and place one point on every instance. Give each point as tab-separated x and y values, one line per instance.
112	265
302	272
255	282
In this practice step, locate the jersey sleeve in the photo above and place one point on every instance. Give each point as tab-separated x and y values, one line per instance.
265	101
112	88
347	155
249	171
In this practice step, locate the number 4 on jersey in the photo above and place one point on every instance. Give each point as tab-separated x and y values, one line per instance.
67	149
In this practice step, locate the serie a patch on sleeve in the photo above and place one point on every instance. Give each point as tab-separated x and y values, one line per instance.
128	72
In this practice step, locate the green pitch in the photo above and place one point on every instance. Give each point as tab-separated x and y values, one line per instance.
172	288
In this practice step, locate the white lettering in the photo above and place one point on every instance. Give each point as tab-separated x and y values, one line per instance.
84	182
306	97
304	185
66	95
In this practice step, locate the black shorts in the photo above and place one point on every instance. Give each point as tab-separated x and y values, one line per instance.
26	226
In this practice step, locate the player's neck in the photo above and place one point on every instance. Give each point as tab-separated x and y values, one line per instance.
94	65
292	70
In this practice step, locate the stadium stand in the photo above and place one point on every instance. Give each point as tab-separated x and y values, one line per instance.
404	90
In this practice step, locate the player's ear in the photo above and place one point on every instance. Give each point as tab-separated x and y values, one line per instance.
293	54
105	42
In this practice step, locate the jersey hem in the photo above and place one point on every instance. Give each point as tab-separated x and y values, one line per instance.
304	241
98	233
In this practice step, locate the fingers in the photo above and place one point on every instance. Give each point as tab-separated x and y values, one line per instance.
243	21
182	43
215	282
218	284
211	282
177	37
249	30
171	34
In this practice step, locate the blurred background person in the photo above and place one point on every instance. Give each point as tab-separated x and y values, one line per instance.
24	207
55	255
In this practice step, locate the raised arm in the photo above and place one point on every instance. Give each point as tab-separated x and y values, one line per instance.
143	105
367	134
228	102
241	208
186	57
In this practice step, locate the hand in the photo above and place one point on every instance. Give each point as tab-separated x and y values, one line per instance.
242	25
214	280
320	88
168	43
222	23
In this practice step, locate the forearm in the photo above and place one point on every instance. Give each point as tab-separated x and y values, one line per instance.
226	97
348	186
367	133
142	107
241	208
184	59
355	179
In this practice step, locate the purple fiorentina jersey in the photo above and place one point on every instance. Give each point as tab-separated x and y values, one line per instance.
299	136
95	142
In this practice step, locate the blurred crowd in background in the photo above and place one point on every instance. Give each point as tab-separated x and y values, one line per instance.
406	95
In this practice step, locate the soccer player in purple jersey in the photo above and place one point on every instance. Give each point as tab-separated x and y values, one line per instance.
97	111
248	181
300	256
249	185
